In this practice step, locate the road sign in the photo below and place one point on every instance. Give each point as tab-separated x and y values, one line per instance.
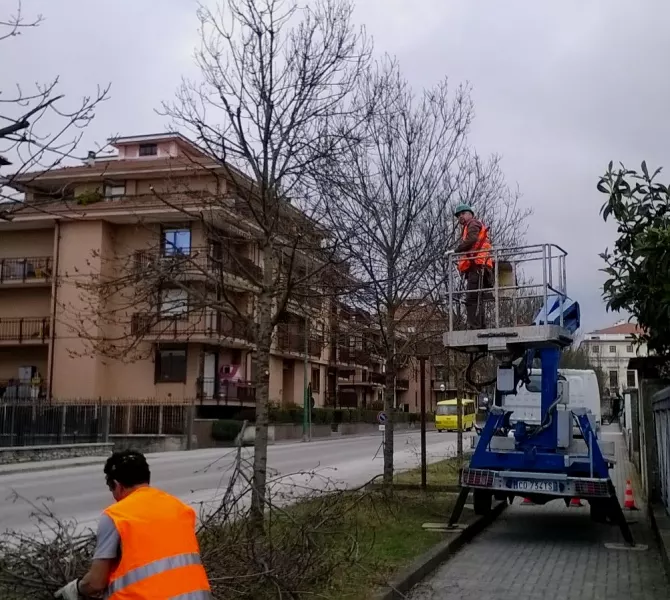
382	417
382	428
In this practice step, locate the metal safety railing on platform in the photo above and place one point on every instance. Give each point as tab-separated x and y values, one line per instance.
660	403
509	293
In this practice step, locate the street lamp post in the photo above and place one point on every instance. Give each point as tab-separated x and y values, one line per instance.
306	404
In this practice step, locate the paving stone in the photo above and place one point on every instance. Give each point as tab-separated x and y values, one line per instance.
552	552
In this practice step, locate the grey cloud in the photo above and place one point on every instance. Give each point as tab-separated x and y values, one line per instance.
560	87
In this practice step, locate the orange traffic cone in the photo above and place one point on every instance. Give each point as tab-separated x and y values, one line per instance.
527	501
629	501
576	502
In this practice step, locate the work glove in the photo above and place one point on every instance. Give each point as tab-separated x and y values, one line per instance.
69	591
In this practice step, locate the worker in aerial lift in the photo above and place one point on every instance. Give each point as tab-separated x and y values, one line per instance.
146	543
476	266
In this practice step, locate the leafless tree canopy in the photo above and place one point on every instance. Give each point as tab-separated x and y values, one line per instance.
38	127
274	74
390	199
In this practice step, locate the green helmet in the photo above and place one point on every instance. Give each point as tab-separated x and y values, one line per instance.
461	208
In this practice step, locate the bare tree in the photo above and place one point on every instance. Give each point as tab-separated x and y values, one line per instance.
274	74
38	129
386	198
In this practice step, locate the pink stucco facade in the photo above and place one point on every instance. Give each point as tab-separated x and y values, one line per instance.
50	322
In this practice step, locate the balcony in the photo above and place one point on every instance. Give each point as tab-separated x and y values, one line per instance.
294	342
24	330
437	384
198	262
350	377
210	327
32	270
402	384
355	356
225	392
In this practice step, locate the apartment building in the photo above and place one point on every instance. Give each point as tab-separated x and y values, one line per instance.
75	325
611	349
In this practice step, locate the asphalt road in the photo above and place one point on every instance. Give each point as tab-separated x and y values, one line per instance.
199	477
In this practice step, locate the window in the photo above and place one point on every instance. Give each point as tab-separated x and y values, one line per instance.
316	380
171	365
174	302
630	379
176	240
629	349
148	149
596	349
535	384
115	190
614	380
446	410
612	349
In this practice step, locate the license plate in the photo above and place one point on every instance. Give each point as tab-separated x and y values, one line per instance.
527	485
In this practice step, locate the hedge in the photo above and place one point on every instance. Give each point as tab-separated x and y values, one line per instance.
326	416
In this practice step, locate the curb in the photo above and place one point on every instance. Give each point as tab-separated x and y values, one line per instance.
402	487
660	524
423	566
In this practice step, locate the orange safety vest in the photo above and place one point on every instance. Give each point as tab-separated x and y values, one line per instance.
480	255
160	556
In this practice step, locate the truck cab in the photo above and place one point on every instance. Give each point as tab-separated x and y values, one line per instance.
582	389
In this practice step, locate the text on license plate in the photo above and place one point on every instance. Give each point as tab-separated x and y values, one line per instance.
533	486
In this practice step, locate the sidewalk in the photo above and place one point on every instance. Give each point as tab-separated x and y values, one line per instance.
554	553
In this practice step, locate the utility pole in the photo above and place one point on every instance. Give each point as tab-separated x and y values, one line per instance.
306	408
459	417
422	393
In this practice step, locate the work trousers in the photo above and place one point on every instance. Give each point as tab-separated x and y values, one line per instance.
477	278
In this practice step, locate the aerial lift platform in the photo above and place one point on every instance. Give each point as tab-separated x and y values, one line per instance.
530	322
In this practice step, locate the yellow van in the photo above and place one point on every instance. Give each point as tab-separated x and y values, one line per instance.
446	415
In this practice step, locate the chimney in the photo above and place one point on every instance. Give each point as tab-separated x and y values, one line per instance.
90	158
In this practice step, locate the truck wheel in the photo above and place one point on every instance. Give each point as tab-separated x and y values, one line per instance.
482	501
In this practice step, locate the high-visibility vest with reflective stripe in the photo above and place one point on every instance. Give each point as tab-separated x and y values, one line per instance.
480	254
160	556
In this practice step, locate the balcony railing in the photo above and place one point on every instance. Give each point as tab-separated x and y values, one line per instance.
294	341
182	327
25	269
363	378
437	384
224	391
379	378
28	329
356	356
198	260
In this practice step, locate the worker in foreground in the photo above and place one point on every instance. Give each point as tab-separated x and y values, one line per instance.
476	266
146	543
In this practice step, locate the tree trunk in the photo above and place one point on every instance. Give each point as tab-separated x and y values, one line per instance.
389	409
263	343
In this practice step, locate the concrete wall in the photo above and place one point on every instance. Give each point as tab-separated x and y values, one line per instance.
23	454
150	443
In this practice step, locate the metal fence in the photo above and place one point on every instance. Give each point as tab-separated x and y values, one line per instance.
39	423
523	280
661	407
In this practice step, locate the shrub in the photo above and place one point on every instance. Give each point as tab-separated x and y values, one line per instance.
226	430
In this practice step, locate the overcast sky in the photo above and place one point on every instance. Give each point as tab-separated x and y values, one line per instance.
560	88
